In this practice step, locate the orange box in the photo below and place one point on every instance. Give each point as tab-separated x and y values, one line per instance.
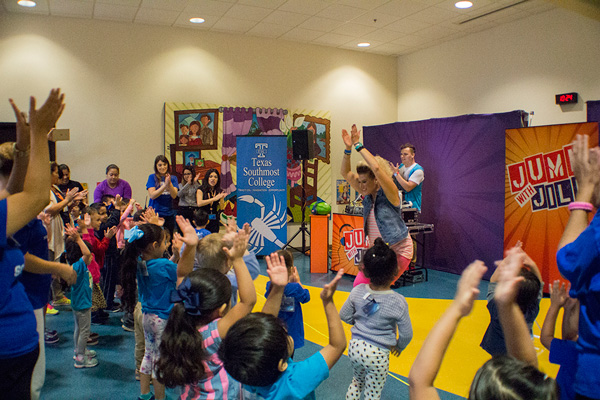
319	243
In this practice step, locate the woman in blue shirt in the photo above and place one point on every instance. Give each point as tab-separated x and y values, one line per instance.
162	189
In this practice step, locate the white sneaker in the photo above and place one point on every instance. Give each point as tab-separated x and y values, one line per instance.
85	362
88	353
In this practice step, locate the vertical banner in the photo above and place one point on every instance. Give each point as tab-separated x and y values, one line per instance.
348	243
261	190
539	186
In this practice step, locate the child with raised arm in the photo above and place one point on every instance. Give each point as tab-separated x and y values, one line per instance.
257	349
516	375
562	351
381	322
80	256
156	278
294	296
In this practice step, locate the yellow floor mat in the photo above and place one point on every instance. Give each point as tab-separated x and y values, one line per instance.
464	356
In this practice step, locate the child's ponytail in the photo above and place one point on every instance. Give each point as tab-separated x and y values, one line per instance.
198	300
138	239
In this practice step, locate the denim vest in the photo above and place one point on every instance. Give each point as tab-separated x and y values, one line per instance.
388	217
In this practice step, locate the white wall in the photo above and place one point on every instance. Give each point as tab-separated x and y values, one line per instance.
521	65
117	77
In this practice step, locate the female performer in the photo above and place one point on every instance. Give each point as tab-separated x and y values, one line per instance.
112	185
162	189
381	204
209	198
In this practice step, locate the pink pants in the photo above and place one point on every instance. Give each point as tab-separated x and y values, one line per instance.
403	264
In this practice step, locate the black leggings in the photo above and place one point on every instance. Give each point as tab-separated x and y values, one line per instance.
16	375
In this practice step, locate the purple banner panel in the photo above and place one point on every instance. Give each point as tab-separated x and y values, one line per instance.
463	191
593	111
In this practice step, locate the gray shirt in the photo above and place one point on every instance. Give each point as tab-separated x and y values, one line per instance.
187	194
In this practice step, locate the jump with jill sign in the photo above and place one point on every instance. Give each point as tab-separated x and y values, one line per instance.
261	190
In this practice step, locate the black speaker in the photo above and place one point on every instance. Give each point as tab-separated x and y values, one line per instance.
303	144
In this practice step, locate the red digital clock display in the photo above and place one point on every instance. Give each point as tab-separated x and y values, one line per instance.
566	98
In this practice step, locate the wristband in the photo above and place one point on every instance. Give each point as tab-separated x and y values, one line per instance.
395	174
580	205
358	146
18	153
347	152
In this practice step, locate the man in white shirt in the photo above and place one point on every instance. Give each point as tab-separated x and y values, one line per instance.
409	176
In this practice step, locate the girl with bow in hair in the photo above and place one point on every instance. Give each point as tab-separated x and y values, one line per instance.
156	278
198	322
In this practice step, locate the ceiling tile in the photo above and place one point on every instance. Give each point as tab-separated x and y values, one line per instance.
407	25
130	3
352	45
247	12
435	32
341	13
390	48
184	21
270	4
333	39
402	8
173	5
72	8
233	25
208	7
285	18
382	35
364	4
301	35
353	29
477	5
320	24
156	16
410	40
308	7
434	15
375	19
268	30
114	12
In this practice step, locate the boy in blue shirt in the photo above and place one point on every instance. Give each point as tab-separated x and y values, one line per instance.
79	256
294	295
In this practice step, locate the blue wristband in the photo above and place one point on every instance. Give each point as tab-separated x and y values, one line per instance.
348	152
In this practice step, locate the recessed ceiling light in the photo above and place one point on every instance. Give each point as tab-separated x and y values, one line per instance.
26	3
463	4
196	20
364	44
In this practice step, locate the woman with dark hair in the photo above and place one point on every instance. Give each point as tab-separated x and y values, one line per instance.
381	204
162	189
66	183
112	185
187	193
209	198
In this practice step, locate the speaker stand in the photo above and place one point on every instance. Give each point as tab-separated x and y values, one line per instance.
303	229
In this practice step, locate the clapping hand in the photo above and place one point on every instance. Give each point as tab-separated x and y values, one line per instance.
42	120
509	278
72	232
468	287
110	232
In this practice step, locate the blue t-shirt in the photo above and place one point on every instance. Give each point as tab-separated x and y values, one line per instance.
564	353
155	288
291	310
163	204
81	291
579	262
18	333
298	381
202	233
33	239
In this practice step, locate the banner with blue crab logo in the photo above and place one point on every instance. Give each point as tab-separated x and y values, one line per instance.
261	190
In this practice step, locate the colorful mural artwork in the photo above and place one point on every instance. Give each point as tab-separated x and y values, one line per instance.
188	141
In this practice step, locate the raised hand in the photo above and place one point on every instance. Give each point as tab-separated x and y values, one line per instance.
110	232
295	277
197	177
23	134
190	238
71	193
87	220
276	269
559	294
81	195
508	277
45	218
72	232
42	120
176	243
395	167
354	134
346	138
587	173
468	287
330	288
240	243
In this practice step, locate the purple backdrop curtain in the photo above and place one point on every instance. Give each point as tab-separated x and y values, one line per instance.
463	191
236	122
593	111
268	120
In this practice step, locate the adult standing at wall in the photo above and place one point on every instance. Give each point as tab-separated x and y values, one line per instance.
162	189
209	198
187	193
112	185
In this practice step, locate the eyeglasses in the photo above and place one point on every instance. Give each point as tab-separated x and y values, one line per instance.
187	173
